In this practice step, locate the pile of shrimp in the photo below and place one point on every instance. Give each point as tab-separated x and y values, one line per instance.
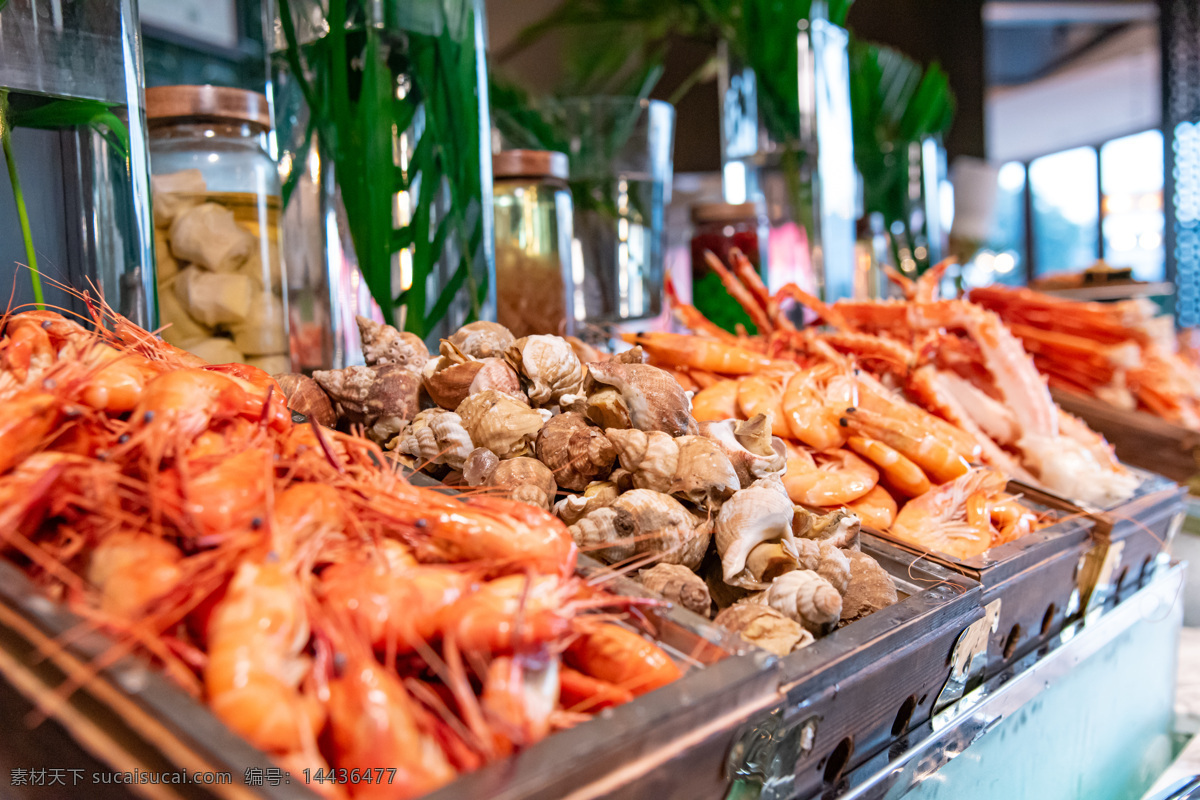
325	609
856	438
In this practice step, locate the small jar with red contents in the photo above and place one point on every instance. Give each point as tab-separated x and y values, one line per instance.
720	227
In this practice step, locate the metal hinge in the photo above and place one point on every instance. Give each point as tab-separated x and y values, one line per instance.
971	644
762	762
1095	575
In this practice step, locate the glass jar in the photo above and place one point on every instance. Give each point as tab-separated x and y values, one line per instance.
222	291
533	213
720	227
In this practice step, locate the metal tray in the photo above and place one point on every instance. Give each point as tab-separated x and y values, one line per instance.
128	717
1032	587
1132	536
854	692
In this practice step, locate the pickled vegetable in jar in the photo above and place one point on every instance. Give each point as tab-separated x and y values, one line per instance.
222	291
720	227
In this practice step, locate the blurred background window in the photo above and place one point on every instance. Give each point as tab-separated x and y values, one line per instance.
1131	176
1066	208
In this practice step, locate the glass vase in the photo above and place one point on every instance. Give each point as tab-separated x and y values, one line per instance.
72	115
382	121
796	158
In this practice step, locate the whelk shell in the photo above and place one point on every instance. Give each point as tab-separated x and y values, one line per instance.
643	523
526	480
500	423
483	339
575	452
479	465
549	365
383	344
436	436
380	398
653	399
764	626
680	585
749	445
704	474
575	507
305	396
652	457
807	598
752	517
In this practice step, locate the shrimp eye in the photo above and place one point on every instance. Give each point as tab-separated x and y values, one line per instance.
422	523
47	324
123	438
148	417
256	523
845	423
851	410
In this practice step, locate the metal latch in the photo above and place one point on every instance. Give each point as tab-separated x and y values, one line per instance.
1095	575
762	761
971	644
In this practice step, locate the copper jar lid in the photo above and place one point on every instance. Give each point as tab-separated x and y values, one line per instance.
210	102
530	164
724	212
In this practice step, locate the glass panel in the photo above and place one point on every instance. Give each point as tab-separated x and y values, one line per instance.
1008	236
1131	172
1066	206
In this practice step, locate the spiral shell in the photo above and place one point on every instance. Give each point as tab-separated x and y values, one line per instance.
764	626
871	588
679	585
753	516
383	344
604	407
498	374
483	339
824	559
449	377
653	399
526	480
807	598
652	457
379	398
305	396
575	507
643	523
549	365
839	528
767	457
503	425
575	452
479	466
436	436
704	474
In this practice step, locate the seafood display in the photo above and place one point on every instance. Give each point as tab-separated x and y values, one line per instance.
913	414
697	507
329	612
1126	353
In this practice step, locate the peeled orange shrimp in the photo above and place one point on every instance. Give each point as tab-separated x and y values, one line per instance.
827	477
717	402
876	508
900	472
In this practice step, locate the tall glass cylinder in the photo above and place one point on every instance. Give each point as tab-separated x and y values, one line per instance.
382	122
789	146
75	135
